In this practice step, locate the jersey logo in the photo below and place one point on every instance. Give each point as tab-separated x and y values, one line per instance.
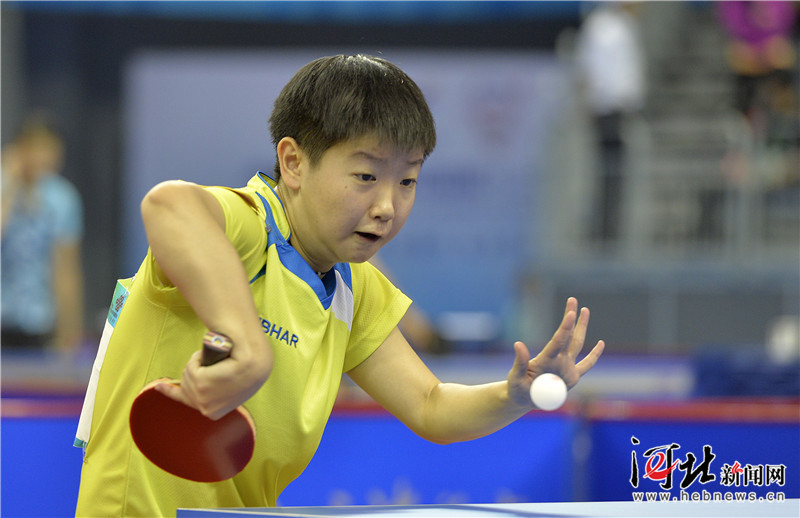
279	333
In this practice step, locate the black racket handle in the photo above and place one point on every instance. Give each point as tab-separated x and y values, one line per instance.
216	347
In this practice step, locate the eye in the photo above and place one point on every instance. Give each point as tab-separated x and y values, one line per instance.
365	177
408	182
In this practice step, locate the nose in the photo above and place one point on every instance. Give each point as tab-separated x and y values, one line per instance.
383	206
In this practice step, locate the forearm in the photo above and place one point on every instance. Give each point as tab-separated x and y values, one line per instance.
444	412
11	167
185	230
68	289
455	412
10	190
439	412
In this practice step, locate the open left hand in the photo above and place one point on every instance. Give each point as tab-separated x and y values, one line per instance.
558	356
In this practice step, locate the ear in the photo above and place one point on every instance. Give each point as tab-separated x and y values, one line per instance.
290	158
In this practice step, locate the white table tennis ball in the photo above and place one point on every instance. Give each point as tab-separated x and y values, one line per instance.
548	391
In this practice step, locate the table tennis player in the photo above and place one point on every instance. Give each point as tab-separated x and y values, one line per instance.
279	268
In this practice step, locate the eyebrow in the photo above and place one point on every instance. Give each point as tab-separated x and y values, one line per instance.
376	158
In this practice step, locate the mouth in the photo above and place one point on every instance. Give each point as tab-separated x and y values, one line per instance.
372	238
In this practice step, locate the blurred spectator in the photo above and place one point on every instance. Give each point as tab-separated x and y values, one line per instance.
611	69
760	44
761	53
42	226
778	134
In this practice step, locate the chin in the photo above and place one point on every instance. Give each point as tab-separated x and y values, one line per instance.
362	257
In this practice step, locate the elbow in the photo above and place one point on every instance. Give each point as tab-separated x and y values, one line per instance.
435	435
263	359
429	423
161	198
256	362
442	441
445	439
432	437
445	432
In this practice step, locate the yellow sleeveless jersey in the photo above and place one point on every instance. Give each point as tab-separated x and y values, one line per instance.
318	329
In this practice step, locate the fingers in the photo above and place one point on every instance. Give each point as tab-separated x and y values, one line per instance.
521	358
569	338
195	361
189	390
563	335
588	362
571	334
560	353
174	391
180	394
572	305
579	333
519	380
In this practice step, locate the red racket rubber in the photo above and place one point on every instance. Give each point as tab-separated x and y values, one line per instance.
182	441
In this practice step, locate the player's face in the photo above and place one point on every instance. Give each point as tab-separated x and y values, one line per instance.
353	201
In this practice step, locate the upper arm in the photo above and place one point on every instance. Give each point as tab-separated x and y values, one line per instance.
396	378
165	209
242	222
171	207
177	195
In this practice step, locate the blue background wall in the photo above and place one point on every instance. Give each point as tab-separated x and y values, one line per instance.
368	457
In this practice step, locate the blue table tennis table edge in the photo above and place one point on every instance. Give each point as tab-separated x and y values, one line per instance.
680	509
472	510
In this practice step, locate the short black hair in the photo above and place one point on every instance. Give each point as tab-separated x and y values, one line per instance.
338	98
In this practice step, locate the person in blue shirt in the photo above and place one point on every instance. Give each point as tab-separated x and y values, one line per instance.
42	227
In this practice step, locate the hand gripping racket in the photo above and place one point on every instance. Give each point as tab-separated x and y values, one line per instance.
182	441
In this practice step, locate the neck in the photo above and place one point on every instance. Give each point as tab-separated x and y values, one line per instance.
321	271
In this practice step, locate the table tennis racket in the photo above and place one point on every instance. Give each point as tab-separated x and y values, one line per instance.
182	441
